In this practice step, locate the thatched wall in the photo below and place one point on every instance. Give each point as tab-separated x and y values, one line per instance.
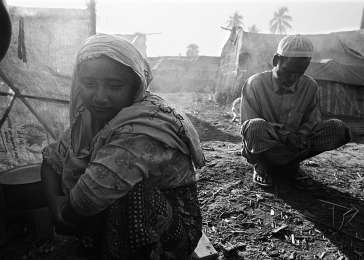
38	64
180	73
51	36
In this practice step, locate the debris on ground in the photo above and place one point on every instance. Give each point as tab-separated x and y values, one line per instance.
321	217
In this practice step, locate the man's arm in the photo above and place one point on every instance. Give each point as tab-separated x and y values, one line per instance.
312	116
249	105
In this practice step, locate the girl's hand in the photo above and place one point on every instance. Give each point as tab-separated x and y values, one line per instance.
62	226
60	202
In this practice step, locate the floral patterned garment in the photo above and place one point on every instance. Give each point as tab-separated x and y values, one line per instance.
130	158
152	201
148	143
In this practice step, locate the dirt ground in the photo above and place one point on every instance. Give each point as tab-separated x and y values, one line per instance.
320	217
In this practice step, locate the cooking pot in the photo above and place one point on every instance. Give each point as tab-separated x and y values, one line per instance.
22	201
22	188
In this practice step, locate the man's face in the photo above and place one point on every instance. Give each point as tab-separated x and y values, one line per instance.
289	70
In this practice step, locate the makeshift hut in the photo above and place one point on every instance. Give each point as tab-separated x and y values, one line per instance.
49	36
337	65
181	73
35	80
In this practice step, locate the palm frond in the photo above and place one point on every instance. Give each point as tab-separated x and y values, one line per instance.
280	21
286	17
283	10
273	20
235	19
273	28
286	24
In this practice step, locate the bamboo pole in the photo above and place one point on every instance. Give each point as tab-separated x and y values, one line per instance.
91	6
26	103
55	100
7	111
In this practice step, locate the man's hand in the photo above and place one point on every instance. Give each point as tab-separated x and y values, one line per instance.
295	140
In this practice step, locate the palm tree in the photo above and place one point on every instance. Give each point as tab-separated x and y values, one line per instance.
192	50
280	21
235	20
253	29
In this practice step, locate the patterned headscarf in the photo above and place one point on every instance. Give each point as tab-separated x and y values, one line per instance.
148	115
119	50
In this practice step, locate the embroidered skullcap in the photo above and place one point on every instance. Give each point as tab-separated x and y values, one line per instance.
295	46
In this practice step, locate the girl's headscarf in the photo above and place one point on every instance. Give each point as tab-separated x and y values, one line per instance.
148	115
119	50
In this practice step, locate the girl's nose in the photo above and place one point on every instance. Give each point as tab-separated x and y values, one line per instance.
100	96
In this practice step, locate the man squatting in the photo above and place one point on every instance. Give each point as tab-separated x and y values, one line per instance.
281	118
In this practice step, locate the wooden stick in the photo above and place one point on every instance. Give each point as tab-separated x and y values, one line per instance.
7	111
62	101
40	119
333	215
331	203
343	219
25	102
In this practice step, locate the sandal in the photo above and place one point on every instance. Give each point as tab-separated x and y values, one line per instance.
295	172
261	177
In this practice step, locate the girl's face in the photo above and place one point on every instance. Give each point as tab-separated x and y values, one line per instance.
106	87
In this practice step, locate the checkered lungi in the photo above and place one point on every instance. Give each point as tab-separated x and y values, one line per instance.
260	136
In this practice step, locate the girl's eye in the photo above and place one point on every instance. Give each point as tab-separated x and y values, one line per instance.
89	84
115	85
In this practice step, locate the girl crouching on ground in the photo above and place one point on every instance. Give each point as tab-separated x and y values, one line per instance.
124	171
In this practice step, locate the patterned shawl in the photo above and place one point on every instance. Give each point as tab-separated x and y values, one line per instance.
148	115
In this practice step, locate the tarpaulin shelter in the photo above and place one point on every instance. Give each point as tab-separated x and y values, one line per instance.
35	80
182	73
337	65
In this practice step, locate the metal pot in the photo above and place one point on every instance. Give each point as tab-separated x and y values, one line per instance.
22	201
22	188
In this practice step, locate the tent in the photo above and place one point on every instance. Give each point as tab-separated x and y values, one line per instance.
337	65
35	80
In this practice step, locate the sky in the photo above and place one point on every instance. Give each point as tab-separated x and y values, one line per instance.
178	23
